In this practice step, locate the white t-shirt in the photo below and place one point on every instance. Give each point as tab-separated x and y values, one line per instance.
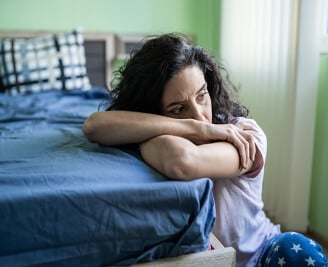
241	221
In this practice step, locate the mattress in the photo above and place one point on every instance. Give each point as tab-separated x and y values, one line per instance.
67	202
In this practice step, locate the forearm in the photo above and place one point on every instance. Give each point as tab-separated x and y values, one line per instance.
170	155
124	127
178	158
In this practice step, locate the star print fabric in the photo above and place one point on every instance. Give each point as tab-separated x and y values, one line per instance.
292	249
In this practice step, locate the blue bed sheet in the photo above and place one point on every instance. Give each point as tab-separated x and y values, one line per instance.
67	202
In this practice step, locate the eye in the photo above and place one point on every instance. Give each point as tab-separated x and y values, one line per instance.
177	110
202	96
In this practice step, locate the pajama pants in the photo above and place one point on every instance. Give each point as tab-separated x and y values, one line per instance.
292	249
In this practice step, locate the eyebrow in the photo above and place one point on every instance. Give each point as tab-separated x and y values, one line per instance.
179	102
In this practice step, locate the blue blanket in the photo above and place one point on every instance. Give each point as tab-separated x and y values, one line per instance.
67	202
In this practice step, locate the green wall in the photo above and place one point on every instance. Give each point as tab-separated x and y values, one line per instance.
195	17
318	215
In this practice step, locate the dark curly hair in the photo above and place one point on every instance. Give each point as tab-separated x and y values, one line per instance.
138	85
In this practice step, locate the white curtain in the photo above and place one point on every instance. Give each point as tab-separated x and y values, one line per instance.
260	45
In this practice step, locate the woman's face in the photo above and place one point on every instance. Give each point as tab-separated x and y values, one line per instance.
185	96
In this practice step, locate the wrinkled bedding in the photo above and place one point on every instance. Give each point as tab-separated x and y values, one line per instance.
67	202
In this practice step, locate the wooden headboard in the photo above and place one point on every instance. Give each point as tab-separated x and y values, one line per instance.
100	50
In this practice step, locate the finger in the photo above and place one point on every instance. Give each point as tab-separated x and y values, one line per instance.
242	153
251	142
246	147
252	146
235	137
245	126
241	144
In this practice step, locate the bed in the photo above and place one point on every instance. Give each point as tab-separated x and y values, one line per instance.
67	202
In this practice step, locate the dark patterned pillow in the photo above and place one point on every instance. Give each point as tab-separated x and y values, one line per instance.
43	63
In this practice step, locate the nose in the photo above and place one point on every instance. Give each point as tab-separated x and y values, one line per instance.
196	112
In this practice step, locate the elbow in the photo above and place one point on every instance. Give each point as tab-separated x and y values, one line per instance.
180	166
88	129
172	156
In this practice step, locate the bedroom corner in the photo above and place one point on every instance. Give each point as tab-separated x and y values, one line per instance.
285	95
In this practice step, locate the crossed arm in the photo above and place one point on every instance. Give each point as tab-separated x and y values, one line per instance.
178	148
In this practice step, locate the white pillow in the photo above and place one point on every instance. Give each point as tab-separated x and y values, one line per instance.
43	63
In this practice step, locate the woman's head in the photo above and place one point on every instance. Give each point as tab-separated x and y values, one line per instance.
139	85
186	96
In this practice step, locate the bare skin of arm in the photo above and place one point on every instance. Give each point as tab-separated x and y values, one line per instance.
123	127
179	158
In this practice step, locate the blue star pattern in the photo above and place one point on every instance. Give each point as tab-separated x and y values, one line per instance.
292	249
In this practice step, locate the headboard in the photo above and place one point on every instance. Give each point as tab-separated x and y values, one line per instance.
100	50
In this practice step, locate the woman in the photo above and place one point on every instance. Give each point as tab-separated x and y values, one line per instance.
173	100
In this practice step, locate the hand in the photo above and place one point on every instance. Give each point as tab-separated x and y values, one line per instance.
246	127
239	136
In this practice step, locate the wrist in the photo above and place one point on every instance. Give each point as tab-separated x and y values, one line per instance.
197	131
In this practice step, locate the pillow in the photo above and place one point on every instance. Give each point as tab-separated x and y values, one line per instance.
43	63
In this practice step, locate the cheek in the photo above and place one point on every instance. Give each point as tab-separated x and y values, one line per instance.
162	111
209	114
209	110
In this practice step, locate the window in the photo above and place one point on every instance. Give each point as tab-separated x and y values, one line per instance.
325	17
126	43
324	39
